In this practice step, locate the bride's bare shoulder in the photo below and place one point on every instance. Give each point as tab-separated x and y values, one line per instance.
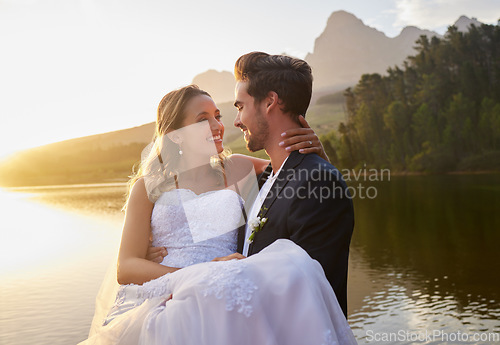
248	162
138	194
243	170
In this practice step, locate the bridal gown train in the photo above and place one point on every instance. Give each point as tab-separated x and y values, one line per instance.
278	296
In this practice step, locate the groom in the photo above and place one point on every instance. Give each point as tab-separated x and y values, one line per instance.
303	197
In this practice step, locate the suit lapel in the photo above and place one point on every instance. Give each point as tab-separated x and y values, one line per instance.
241	238
286	173
261	179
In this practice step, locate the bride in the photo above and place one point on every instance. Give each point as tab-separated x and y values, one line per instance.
191	196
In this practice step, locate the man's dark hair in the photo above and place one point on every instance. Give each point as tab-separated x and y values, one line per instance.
289	77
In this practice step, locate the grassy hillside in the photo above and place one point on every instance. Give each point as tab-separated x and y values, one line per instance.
104	157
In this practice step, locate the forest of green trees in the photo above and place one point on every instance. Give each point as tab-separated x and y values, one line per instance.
440	112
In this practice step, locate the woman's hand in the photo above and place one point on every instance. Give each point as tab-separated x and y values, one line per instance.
303	139
156	254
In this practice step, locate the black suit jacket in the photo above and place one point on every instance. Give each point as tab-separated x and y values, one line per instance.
310	205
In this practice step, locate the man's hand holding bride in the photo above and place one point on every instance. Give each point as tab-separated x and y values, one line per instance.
233	256
157	254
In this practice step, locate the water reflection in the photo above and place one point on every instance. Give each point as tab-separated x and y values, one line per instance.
423	257
102	200
51	265
428	247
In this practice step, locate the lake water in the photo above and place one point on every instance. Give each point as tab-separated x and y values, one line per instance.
424	260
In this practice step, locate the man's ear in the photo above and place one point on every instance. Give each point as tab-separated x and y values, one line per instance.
271	101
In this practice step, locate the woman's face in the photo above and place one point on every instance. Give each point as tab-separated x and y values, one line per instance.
202	130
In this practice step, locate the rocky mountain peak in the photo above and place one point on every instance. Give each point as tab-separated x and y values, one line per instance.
463	23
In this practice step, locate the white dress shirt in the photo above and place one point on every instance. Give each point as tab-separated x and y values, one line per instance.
259	200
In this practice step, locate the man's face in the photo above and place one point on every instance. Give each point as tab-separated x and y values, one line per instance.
250	119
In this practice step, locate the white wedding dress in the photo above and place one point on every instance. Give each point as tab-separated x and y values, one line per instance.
278	296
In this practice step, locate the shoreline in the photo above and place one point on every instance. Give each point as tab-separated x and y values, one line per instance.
69	185
417	173
364	172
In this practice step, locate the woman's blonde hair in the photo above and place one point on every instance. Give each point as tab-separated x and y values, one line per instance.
159	160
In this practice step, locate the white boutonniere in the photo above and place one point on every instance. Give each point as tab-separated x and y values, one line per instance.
256	225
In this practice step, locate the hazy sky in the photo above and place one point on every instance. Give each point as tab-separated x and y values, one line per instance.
70	68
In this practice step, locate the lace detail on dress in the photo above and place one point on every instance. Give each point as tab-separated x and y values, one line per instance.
155	288
139	293
120	296
223	280
196	228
